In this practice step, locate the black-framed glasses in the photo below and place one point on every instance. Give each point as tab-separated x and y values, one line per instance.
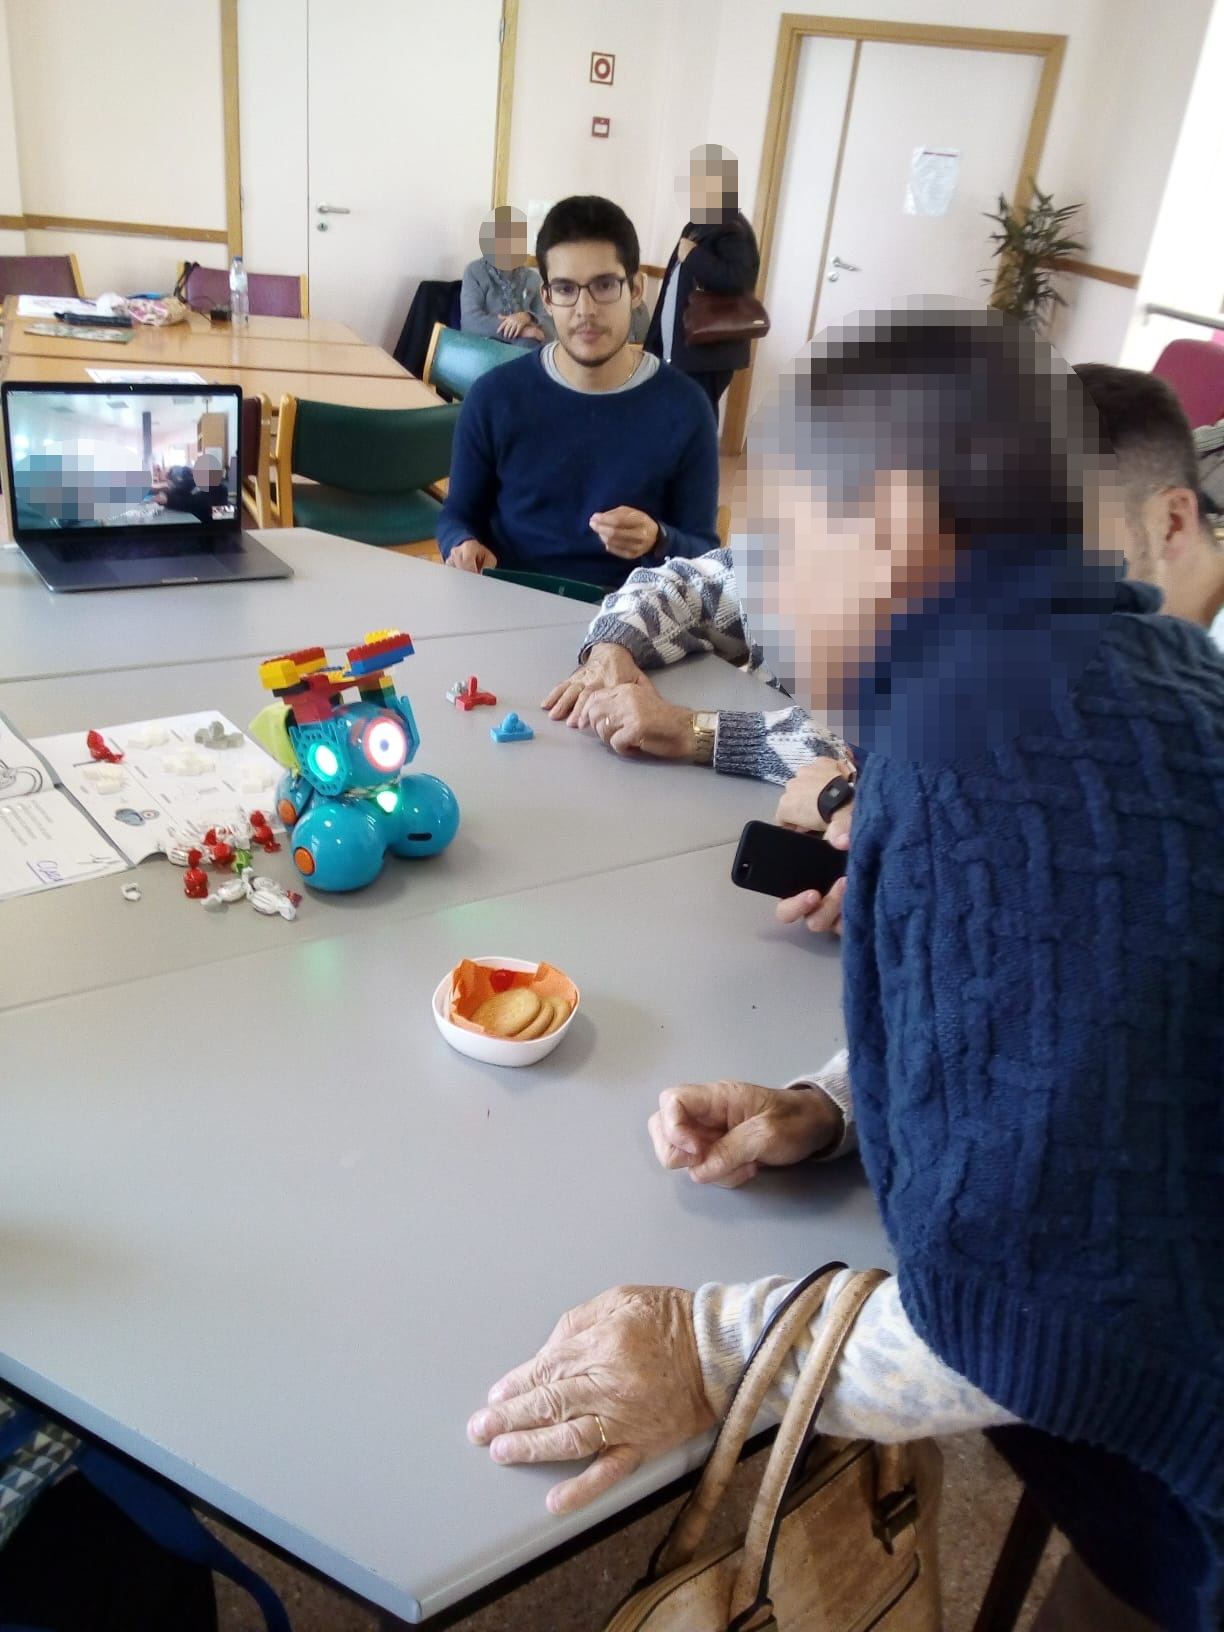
605	290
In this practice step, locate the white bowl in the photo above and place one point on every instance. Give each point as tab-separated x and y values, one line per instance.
496	1050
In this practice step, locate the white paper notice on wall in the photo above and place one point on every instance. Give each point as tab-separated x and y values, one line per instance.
932	180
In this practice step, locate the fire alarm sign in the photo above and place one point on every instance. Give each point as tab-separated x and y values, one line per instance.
600	127
603	68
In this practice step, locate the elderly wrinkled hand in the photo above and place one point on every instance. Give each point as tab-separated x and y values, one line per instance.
634	719
619	1380
799	808
606	665
725	1132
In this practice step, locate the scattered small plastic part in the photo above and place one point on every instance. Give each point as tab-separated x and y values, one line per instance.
98	749
242	859
130	892
195	882
221	855
153	736
214	735
471	697
106	778
179	854
512	729
214	902
188	762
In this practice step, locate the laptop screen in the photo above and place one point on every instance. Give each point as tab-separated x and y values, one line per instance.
86	459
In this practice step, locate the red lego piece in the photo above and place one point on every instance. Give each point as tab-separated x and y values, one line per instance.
258	819
473	697
98	749
195	883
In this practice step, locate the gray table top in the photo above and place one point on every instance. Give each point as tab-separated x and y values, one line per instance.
559	807
279	1239
338	592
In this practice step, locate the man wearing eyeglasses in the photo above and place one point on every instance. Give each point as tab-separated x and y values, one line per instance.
588	457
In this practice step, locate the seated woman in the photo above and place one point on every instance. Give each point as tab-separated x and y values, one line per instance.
501	296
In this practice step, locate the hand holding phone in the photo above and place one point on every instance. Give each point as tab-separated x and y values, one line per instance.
779	861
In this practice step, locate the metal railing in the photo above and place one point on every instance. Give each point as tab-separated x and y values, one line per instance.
1153	310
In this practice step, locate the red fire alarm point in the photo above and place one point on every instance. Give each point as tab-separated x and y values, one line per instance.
603	67
600	127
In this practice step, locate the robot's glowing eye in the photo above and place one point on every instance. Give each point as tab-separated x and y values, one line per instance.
387	799
323	760
385	744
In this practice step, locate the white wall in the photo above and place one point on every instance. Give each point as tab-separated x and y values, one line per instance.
10	174
1185	266
92	131
552	151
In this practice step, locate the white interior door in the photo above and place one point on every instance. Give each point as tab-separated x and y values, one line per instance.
970	109
401	131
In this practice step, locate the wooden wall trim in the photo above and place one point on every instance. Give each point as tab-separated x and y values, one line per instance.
124	229
1102	274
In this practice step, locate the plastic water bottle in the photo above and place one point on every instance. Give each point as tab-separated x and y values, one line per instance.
240	304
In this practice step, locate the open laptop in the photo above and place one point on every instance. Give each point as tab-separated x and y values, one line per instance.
126	486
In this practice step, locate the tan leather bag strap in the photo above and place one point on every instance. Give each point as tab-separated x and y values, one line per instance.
788	1328
751	1583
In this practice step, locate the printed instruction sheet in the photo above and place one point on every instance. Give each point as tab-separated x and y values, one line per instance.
45	839
168	783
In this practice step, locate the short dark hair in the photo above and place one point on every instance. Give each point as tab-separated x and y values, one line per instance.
1147	428
587	218
971	398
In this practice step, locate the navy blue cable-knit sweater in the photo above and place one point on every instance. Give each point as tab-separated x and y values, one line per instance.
1034	978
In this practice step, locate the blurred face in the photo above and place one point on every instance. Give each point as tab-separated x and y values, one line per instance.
829	583
505	241
591	329
711	190
207	470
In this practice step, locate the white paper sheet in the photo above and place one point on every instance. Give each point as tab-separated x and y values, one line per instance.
142	376
932	180
150	794
45	841
48	305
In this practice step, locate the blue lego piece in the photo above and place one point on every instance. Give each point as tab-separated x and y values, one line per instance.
512	729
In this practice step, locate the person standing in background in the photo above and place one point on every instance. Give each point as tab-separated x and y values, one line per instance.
717	252
501	294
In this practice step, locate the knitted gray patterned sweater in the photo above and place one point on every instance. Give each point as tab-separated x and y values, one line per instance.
664	613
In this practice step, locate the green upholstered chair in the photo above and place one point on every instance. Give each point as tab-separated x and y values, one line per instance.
366	469
591	593
455	361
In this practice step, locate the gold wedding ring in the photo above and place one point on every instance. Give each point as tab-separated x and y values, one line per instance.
603	1437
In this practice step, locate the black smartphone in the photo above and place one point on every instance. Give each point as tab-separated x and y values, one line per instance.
778	861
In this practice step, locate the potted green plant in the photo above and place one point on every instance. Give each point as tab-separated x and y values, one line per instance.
1030	246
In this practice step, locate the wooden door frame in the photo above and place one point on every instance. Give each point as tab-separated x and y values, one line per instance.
505	101
793	29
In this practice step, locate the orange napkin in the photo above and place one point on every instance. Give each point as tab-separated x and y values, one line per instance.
471	984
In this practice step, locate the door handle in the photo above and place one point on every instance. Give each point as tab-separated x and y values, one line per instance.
332	209
845	266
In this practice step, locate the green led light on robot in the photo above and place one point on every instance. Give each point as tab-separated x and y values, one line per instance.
323	760
388	799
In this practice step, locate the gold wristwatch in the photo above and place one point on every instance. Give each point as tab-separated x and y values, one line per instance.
705	735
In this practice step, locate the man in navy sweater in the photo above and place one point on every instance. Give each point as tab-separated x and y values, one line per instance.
586	458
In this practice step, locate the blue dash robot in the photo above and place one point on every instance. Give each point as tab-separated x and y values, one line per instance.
346	799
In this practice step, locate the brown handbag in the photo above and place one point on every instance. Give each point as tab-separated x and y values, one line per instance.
710	319
842	1537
